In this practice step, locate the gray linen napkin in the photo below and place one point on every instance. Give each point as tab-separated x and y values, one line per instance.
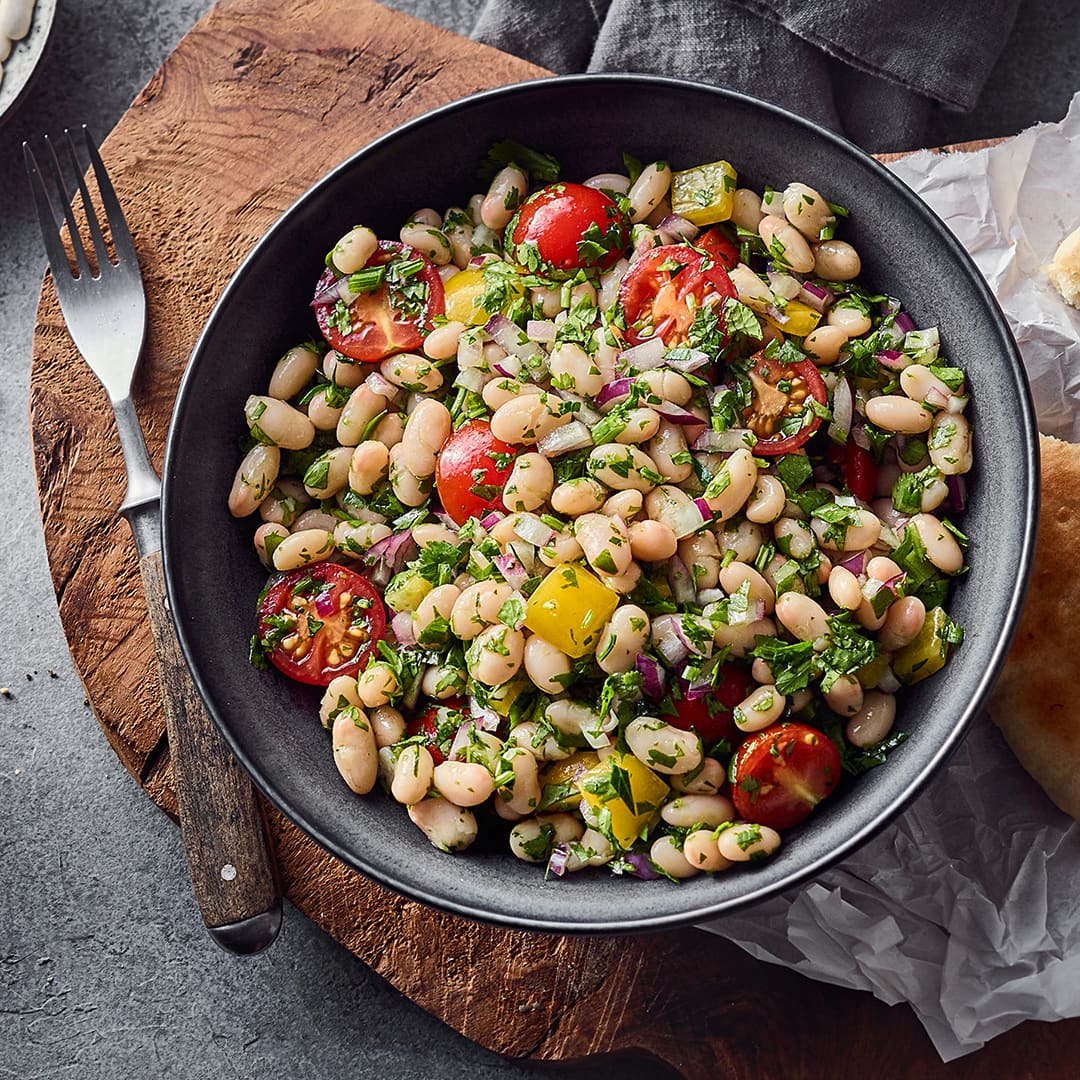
866	69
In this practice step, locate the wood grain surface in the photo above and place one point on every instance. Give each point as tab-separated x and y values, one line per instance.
191	166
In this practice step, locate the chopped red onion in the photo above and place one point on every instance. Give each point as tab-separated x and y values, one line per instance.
557	862
892	359
505	370
646	355
379	384
677	414
722	442
540	330
755	610
856	563
392	551
690	518
858	433
936	398
957	403
693	360
641	866
614	392
470	353
676	225
585	412
471	379
652	676
904	322
402	625
775	314
491	519
572	436
362	513
681	581
784	285
957	491
843	412
511	569
335	290
511	338
816	296
668	641
533	531
483	718
324	603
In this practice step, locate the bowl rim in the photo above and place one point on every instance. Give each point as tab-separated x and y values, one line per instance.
1024	555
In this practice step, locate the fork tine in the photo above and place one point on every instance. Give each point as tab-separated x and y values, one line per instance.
100	251
121	234
50	228
69	216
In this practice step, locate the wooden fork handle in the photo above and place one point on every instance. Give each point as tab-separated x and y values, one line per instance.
225	837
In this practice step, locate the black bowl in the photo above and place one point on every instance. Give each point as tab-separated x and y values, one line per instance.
587	121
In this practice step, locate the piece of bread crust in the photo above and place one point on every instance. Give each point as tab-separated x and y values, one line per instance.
1064	270
1035	701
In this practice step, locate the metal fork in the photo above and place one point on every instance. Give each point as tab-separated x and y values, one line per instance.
232	869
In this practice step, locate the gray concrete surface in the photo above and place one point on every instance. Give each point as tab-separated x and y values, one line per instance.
105	970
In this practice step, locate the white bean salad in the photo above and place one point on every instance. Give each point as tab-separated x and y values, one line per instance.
611	514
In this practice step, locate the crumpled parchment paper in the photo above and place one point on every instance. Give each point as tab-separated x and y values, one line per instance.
968	906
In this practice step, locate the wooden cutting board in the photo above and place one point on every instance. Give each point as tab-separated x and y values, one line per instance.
257	102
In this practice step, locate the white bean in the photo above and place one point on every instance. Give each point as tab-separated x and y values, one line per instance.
464	783
582	495
873	721
767	501
950	443
442	343
746	209
293	372
438	604
605	542
662	746
652	541
448	827
623	639
740	637
807	210
359	411
736	574
641	426
254	480
355	752
354	249
903	621
732	484
547	666
478	607
521	795
495	655
670	859
785	245
543	748
412	372
701	555
355	538
321	413
408	487
263	534
668	450
429	240
387	724
342	370
845	696
572	368
745	841
623	468
850	319
666	386
649	190
273	421
743	537
751	290
527	418
529	484
844	588
507	192
825	343
836	260
893	412
328	473
625	504
760	708
707	779
941	546
855	537
413	774
304	548
368	466
377	684
701	850
802	615
687	810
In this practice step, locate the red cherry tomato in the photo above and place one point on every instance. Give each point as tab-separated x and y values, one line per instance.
320	622
781	418
657	290
564	227
859	468
472	470
780	774
390	319
438	724
719	247
712	716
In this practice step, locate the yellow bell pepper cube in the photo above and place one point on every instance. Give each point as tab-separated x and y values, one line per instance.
801	319
570	608
500	699
927	653
463	290
626	791
704	194
559	780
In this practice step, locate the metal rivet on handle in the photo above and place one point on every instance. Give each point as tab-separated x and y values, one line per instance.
228	871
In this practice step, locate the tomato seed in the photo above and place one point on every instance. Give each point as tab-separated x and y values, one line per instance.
290	643
344	599
347	649
333	658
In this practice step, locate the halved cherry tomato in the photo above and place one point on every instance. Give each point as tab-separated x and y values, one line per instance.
719	247
564	227
780	413
390	319
664	288
320	622
860	469
472	470
437	724
713	716
780	774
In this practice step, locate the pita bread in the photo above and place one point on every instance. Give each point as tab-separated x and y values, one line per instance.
1035	702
